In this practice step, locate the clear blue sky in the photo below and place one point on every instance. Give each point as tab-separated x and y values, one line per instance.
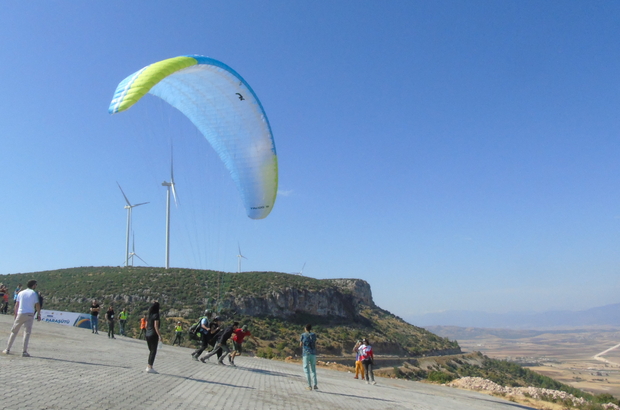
454	154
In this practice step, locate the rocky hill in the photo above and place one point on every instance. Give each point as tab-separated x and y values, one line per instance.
275	305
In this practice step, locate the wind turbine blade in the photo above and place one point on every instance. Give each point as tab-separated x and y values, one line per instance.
243	256
141	259
125	196
172	184
174	194
171	166
143	203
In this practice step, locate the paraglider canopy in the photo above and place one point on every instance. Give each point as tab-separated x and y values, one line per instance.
225	110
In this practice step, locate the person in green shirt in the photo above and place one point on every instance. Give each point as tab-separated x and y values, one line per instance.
178	334
122	317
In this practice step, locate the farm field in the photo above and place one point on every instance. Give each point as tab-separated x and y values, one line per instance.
565	355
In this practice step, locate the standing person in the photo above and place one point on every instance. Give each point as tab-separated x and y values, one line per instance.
238	337
153	337
178	334
142	327
307	342
15	293
367	357
5	306
222	343
94	316
109	316
3	291
25	308
122	319
359	367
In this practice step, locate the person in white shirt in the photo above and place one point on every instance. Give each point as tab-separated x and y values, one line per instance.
26	306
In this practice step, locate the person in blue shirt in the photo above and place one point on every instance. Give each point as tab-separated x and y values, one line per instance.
307	342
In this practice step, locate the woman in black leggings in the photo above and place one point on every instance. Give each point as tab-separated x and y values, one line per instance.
153	337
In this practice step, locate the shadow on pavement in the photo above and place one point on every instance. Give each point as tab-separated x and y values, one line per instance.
206	381
88	363
269	372
355	396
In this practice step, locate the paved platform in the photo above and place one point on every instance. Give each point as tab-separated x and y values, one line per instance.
72	368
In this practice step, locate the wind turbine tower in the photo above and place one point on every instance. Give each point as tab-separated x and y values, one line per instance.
239	256
128	207
133	251
169	187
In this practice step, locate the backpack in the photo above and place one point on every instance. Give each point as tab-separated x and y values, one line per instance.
194	329
309	342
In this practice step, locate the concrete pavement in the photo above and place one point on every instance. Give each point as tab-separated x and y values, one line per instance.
72	368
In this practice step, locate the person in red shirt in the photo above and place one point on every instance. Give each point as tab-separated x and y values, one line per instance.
238	337
5	306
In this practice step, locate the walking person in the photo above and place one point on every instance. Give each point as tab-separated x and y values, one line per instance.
238	337
367	357
122	320
109	317
94	316
178	334
153	336
205	331
359	367
26	307
307	342
222	344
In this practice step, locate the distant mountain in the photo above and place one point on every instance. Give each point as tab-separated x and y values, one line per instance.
608	315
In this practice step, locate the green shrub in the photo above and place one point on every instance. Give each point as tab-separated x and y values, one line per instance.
441	377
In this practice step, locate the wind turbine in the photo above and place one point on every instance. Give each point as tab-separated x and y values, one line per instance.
239	256
169	186
128	207
133	251
301	272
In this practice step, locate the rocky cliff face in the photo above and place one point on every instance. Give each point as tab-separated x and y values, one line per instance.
340	300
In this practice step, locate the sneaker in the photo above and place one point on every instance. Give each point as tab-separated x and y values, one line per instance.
6	352
221	362
367	383
233	364
355	377
25	354
309	388
151	370
316	387
203	360
374	382
194	356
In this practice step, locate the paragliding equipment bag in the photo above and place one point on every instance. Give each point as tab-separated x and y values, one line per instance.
195	329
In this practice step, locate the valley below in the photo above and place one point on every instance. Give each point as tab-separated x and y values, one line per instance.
576	356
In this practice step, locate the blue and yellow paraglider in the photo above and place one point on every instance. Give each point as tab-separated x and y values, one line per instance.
225	110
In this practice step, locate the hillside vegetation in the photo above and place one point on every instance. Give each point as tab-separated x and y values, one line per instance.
185	293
